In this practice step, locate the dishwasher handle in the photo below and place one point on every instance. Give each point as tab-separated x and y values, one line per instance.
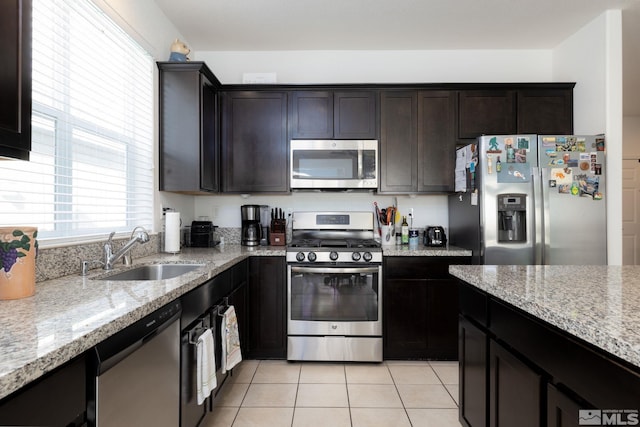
115	348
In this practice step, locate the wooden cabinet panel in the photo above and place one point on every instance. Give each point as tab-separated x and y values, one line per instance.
514	390
420	306
546	112
417	141
486	112
189	147
254	142
15	75
398	141
562	411
436	141
267	308
59	398
333	115
442	312
355	115
406	319
473	352
239	298
311	115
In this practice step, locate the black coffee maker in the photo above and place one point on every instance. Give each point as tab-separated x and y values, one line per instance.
251	229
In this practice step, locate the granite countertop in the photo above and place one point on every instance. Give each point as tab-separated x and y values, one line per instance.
421	250
71	314
598	304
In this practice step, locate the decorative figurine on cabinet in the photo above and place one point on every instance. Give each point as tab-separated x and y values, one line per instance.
179	51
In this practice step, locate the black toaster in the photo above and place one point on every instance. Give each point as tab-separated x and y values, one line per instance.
434	236
202	234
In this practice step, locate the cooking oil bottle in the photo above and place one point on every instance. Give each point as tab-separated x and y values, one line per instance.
405	231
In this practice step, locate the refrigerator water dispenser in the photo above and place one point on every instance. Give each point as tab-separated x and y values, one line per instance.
512	218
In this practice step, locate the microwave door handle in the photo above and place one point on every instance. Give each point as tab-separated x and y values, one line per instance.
360	165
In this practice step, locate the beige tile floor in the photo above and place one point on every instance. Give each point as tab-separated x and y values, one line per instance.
307	394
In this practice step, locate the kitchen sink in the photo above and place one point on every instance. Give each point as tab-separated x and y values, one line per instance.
153	272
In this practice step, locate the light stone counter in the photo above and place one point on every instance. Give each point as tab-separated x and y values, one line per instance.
421	250
599	304
71	314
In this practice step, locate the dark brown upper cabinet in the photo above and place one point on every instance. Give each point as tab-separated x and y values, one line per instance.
417	141
333	115
254	142
398	141
486	112
189	140
15	75
436	141
545	111
311	115
355	114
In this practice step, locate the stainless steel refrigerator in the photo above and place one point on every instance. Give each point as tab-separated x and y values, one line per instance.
533	199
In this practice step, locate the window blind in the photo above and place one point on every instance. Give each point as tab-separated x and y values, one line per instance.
91	168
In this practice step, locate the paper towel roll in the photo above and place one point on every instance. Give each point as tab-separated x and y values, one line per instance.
172	232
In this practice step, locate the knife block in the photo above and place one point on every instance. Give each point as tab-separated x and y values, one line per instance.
277	237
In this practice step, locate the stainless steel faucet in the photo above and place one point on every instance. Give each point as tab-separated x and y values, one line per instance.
138	235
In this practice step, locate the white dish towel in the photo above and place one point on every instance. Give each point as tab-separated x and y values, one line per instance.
231	355
205	366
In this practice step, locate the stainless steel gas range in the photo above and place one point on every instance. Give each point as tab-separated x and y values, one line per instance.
334	288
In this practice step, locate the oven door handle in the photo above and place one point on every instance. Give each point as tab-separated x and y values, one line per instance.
334	270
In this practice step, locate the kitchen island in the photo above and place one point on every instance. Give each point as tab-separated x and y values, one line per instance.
540	343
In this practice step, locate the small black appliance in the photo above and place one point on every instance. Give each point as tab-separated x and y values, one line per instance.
202	234
434	236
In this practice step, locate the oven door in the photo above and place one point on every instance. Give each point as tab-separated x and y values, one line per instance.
335	300
334	164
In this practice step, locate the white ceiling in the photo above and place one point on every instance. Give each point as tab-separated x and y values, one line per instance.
258	25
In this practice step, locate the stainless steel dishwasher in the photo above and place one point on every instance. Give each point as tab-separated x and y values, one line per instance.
138	373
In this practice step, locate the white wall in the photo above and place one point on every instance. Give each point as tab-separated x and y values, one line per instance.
225	210
149	26
593	58
407	66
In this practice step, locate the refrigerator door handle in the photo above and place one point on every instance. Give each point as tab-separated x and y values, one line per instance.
537	238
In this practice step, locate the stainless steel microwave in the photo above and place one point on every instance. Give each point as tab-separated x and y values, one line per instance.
334	164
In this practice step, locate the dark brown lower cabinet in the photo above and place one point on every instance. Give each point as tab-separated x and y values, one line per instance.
473	373
420	308
514	390
517	370
562	410
59	398
239	298
267	308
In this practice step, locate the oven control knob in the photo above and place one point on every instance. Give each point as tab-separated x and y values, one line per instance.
300	256
355	256
312	256
333	255
367	256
